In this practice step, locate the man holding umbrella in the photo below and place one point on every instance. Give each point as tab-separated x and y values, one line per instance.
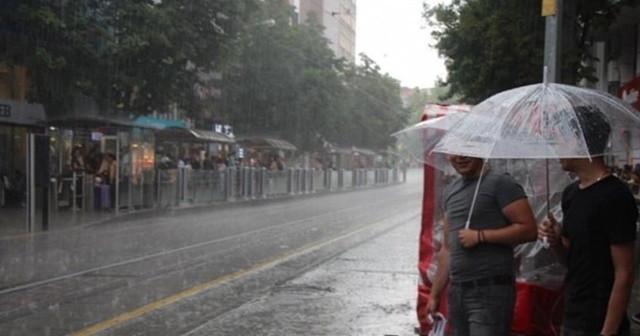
596	239
477	256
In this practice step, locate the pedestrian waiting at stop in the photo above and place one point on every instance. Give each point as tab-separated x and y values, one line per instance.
479	261
595	239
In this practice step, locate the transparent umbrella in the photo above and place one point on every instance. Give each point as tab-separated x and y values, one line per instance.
543	121
420	139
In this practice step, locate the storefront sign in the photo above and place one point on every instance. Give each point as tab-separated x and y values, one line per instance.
224	129
22	113
5	111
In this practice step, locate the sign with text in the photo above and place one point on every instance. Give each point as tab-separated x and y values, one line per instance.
5	111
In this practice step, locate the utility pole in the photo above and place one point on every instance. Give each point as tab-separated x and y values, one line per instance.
552	11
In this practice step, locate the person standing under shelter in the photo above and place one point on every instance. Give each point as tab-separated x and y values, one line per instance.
595	239
479	261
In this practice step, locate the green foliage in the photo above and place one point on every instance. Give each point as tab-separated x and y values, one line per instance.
139	56
415	105
131	56
488	45
288	84
493	45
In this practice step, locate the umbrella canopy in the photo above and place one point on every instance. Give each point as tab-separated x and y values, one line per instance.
420	139
544	121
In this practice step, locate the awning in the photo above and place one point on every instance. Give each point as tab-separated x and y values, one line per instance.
158	123
266	143
86	113
21	113
364	151
211	136
183	134
91	121
339	150
352	150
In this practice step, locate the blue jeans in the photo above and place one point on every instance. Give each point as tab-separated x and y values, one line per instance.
481	311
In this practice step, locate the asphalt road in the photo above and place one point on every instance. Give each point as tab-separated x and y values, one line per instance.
190	272
338	264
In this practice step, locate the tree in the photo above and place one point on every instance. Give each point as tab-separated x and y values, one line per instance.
289	84
130	56
416	102
493	45
286	83
375	106
488	45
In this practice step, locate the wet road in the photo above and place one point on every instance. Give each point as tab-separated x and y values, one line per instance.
302	266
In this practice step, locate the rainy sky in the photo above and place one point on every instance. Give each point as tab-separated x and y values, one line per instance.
394	34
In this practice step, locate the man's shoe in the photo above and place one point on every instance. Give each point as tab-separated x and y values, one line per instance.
636	318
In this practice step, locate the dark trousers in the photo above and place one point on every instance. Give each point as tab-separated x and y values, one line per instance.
481	310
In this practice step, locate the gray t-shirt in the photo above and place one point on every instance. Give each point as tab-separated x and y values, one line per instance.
484	260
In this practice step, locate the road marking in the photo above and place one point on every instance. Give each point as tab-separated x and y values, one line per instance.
96	328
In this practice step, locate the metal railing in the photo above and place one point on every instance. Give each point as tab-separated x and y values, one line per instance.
171	188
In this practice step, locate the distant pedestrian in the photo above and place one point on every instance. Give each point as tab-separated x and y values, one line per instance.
595	240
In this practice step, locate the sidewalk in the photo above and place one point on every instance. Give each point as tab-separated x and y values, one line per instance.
369	290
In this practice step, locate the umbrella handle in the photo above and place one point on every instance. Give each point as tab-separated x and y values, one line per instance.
545	243
475	195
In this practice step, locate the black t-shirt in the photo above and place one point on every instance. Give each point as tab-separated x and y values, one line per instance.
594	218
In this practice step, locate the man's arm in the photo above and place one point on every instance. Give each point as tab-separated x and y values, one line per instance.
622	256
442	272
522	227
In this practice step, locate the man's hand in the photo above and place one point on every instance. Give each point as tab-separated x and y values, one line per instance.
469	238
551	230
432	306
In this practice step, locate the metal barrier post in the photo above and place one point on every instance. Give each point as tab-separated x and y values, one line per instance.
246	182
365	181
290	176
305	180
264	178
327	179
183	186
73	192
354	180
312	181
228	183
158	193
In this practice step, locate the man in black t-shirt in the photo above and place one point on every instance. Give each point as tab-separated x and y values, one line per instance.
595	240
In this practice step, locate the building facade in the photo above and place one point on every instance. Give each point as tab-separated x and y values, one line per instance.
339	19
